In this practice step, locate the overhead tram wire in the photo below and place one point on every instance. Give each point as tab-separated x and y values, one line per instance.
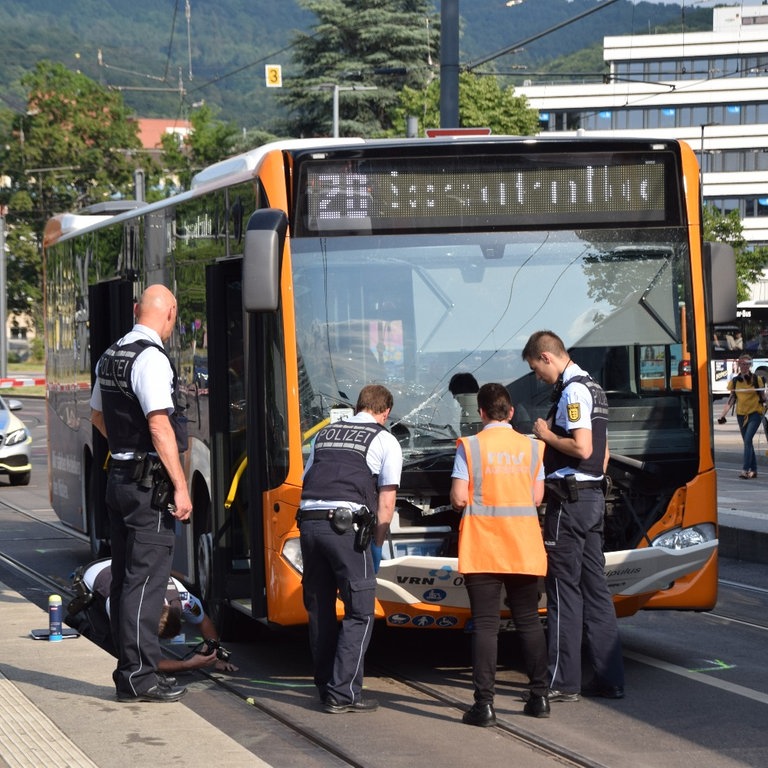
509	49
184	93
164	79
274	54
170	41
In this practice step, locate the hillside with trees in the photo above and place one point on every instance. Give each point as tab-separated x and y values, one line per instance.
163	62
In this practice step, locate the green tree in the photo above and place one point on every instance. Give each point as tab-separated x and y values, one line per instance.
209	141
23	269
482	103
76	144
750	262
363	44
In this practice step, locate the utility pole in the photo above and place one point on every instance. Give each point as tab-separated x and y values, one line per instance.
3	302
449	64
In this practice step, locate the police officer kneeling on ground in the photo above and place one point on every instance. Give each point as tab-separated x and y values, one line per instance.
89	613
350	485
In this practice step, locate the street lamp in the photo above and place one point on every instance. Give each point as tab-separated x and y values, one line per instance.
336	88
701	158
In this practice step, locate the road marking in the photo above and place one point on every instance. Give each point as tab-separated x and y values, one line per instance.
717	666
674	669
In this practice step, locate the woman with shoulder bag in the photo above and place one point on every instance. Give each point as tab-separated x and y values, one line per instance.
749	391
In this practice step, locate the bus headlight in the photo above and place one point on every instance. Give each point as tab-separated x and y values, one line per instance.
682	538
292	553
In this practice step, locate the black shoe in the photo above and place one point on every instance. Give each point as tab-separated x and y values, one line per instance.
537	706
605	692
480	714
166	681
155	693
563	696
334	707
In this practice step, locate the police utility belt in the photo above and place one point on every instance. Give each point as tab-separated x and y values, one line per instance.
567	488
147	471
342	519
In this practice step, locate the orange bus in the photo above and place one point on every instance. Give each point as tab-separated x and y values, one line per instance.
305	269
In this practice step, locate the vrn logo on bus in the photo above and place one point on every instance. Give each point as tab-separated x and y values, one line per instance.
444	574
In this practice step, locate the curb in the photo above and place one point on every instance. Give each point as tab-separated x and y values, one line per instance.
743	544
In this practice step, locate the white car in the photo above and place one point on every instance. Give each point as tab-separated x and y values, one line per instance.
14	444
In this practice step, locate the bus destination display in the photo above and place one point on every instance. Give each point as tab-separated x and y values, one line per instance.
427	194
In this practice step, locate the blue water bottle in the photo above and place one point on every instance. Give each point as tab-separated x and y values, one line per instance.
54	618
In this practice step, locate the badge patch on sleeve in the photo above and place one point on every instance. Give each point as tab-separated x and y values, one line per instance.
574	411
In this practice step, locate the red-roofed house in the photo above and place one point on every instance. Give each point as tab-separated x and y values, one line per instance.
152	129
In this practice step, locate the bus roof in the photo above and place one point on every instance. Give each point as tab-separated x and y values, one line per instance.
241	168
245	164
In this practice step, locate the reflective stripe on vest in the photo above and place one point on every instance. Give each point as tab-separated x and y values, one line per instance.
500	531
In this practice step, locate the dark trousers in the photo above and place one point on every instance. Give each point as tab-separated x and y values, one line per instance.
485	601
142	541
331	566
579	605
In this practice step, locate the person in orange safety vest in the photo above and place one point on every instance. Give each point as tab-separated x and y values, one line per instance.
497	485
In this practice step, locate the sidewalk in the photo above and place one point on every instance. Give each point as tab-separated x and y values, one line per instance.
58	708
742	504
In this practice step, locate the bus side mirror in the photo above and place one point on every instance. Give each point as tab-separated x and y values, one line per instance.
720	276
264	240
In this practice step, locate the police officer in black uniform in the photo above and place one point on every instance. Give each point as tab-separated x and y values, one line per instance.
579	604
350	484
133	404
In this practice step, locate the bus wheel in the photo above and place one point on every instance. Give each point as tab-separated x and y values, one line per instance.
99	546
223	618
204	565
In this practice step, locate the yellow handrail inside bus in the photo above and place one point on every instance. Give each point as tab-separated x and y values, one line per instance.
312	430
230	500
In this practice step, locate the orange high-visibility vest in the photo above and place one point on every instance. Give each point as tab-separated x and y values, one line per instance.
499	530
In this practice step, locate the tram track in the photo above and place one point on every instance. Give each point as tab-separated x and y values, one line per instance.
749	589
535	741
38	578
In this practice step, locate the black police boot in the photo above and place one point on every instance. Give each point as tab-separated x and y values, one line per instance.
482	715
537	706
